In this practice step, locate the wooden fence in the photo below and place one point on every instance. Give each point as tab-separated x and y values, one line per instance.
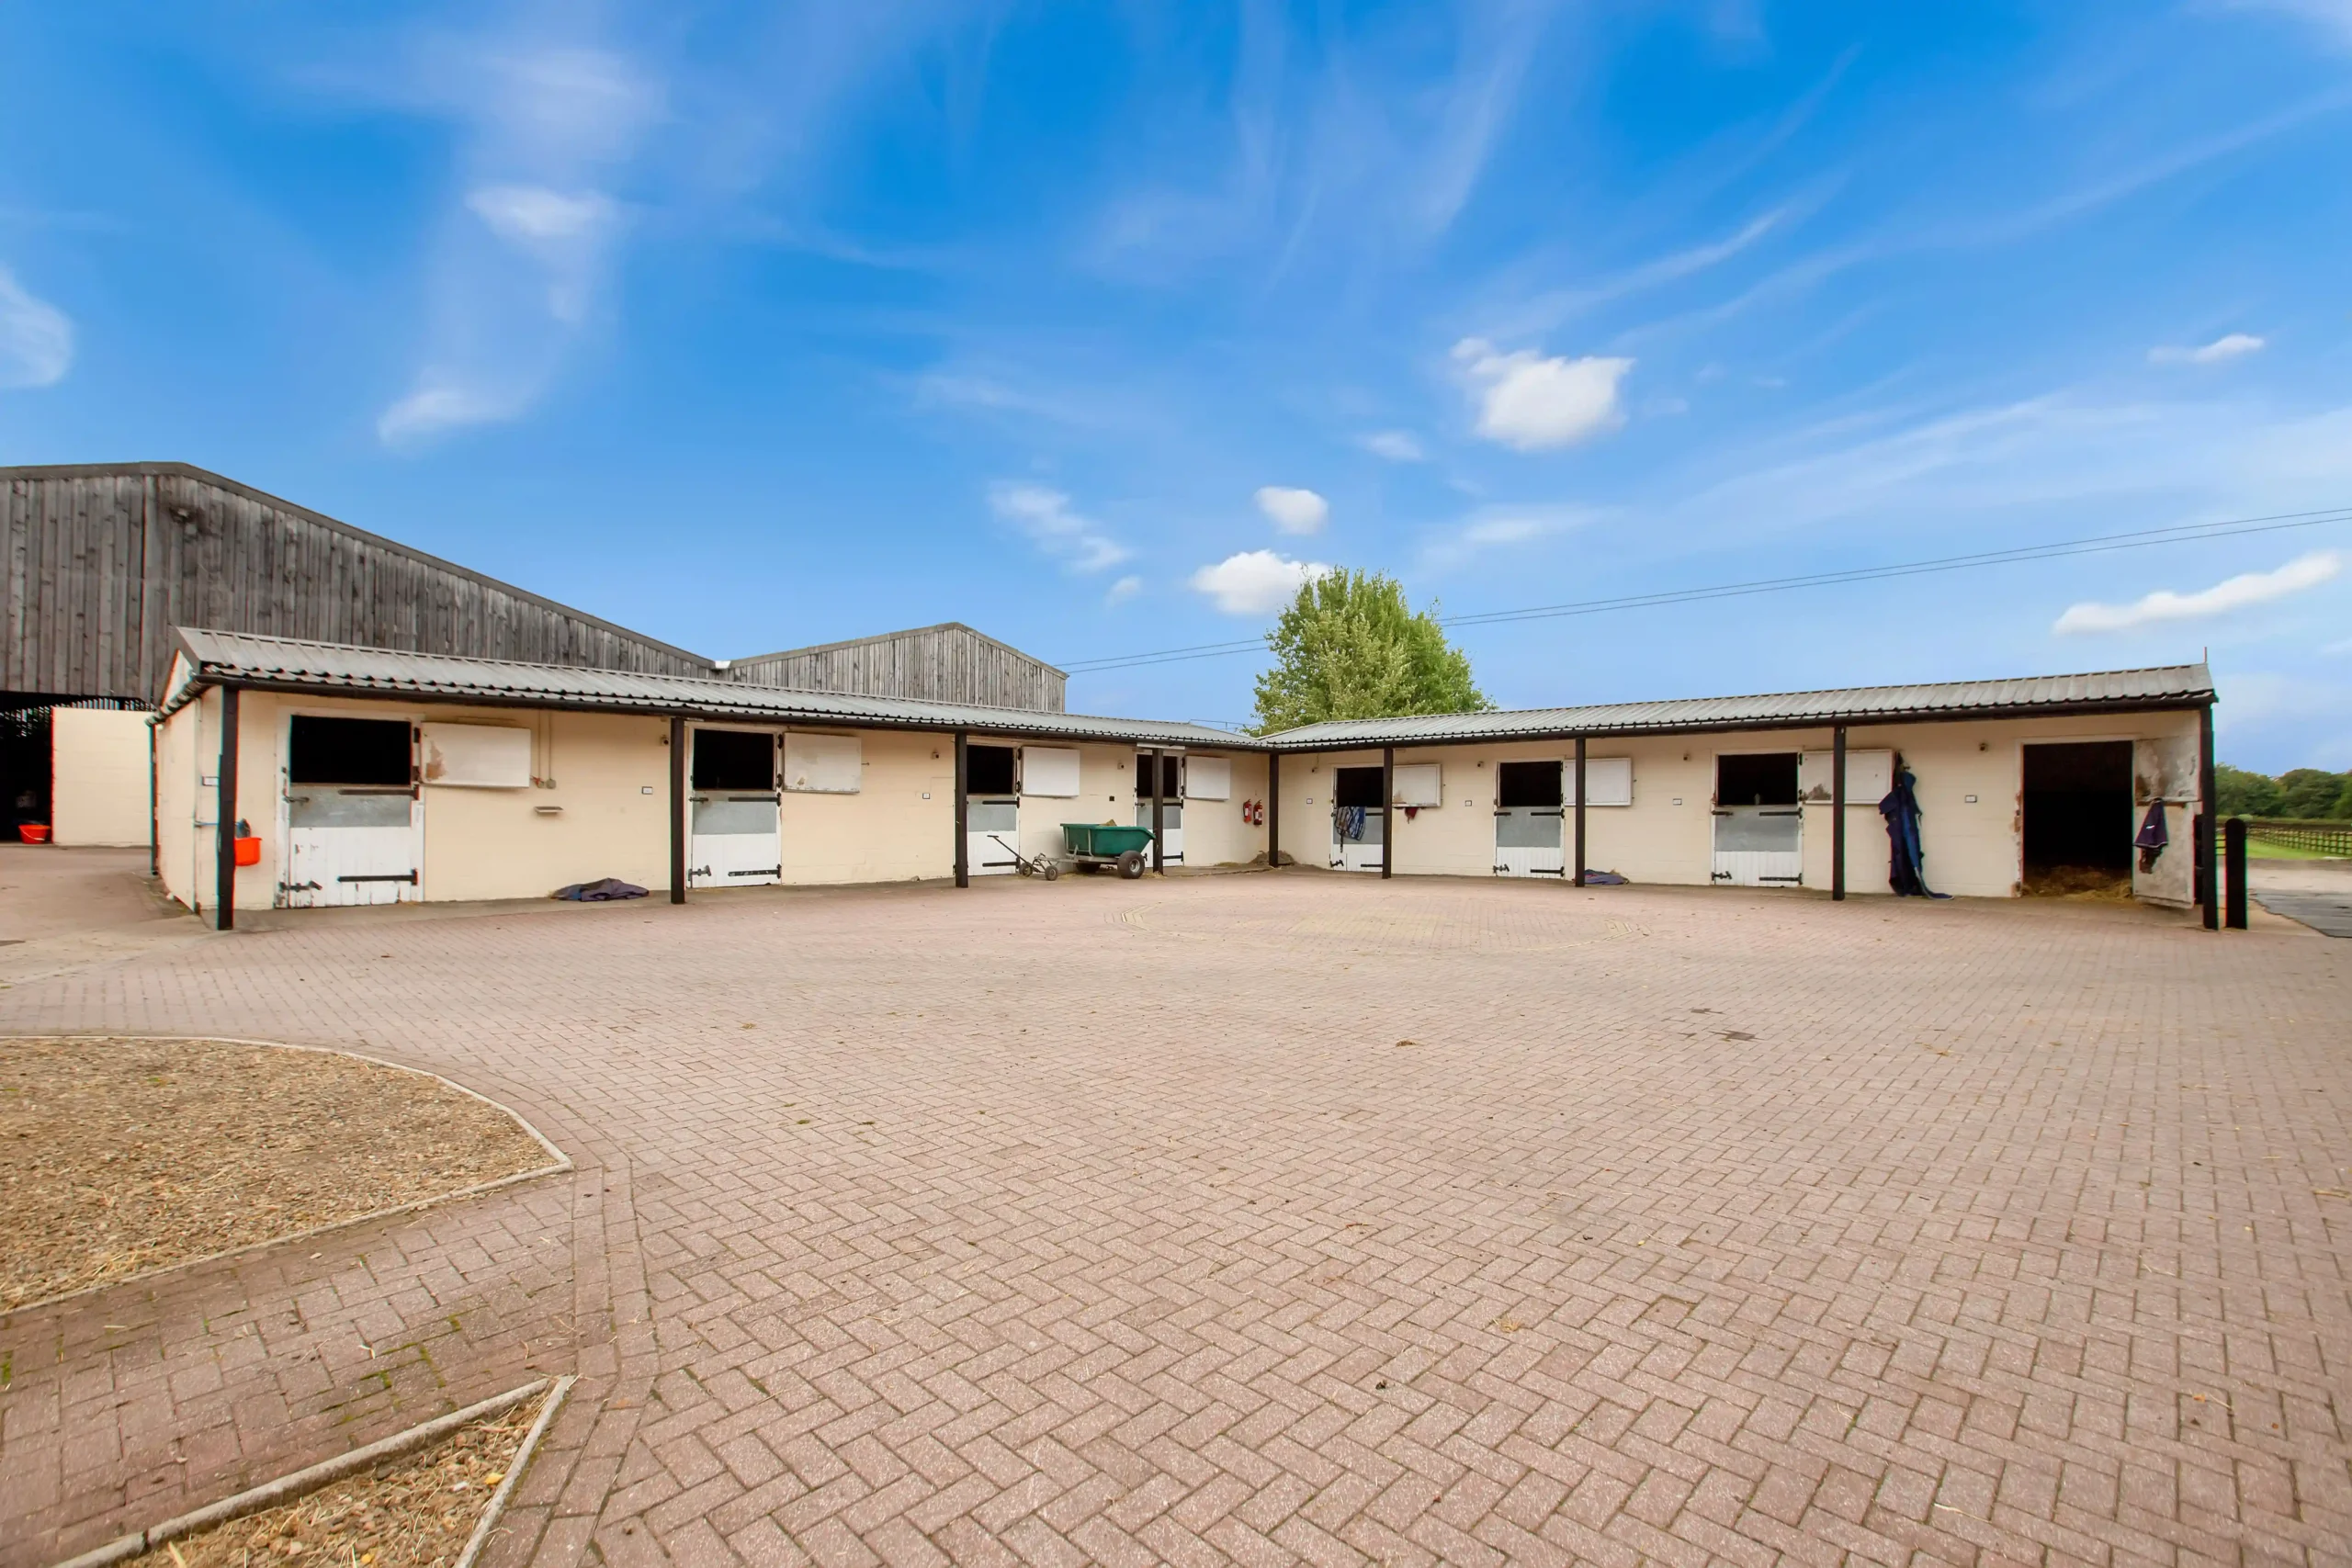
2314	837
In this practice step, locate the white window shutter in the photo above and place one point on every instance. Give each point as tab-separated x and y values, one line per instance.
1049	770
1417	784
476	756
1208	778
1869	776
1607	781
822	765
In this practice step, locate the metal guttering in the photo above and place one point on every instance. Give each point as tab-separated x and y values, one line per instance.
2114	691
286	664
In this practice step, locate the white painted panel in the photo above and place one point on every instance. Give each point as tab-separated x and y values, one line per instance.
476	756
1869	776
1172	828
1760	846
1607	781
349	846
1049	770
1417	784
1206	778
822	765
1528	841
991	833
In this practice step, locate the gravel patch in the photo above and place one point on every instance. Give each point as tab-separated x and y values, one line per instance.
416	1511
120	1157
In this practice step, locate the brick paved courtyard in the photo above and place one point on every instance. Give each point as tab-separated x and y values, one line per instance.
1279	1218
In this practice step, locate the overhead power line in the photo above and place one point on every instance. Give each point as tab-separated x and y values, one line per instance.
2142	538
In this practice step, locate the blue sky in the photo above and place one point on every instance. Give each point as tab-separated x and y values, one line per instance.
1093	324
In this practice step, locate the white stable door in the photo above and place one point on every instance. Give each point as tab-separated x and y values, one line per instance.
1760	846
1171	829
1528	841
733	839
350	844
991	833
1361	851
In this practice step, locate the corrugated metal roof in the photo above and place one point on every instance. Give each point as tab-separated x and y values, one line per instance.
2173	685
333	666
285	663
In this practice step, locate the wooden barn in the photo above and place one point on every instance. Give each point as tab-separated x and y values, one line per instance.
946	663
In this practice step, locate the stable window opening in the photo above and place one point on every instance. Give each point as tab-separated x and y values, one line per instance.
1527	783
989	770
1757	778
1171	777
734	758
1356	786
368	752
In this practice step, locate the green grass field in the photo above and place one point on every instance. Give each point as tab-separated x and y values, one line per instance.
2257	850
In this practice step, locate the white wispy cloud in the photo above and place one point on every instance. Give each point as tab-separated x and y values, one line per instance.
546	124
2239	592
2231	346
1046	516
1119	592
1294	511
1255	582
1495	528
36	337
1533	402
1396	446
2332	17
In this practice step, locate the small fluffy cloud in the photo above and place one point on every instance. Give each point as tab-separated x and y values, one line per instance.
2233	345
1294	511
2237	594
1123	590
1396	446
36	338
1046	516
1255	582
433	408
1533	402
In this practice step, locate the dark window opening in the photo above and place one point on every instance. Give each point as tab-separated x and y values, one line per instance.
734	758
1757	779
1356	786
987	770
2078	816
367	753
1528	783
1171	777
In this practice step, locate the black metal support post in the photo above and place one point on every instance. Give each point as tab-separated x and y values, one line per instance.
963	810
2210	890
677	810
225	815
1387	810
1837	814
1576	872
2234	873
1159	818
1273	809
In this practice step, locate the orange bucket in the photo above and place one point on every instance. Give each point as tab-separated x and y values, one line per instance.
33	832
248	851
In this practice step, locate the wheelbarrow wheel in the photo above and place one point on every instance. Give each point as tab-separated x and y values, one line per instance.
1050	870
1130	864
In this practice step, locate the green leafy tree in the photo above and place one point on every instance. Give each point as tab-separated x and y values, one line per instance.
2309	792
1349	647
2241	793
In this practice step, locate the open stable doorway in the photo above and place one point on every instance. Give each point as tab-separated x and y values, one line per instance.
352	822
1359	818
1760	825
1529	809
2078	817
992	809
1171	803
737	840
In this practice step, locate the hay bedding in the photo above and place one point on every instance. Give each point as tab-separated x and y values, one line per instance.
117	1157
416	1511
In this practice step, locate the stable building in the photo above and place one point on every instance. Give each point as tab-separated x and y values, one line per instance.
350	774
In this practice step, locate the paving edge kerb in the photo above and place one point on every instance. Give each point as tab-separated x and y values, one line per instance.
560	1161
270	1493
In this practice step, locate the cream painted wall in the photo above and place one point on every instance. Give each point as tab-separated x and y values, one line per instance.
1213	832
98	777
1973	846
175	796
497	843
1106	783
886	832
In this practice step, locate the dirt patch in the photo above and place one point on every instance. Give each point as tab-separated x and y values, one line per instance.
118	1156
416	1511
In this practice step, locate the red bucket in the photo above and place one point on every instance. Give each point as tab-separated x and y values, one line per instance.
246	852
33	832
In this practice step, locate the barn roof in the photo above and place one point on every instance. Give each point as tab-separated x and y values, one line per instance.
287	664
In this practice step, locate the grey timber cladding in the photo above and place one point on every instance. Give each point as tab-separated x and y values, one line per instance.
945	663
102	562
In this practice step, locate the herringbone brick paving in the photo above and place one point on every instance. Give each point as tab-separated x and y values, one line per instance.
1289	1218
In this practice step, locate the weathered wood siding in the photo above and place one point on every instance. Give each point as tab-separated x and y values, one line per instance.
100	565
949	663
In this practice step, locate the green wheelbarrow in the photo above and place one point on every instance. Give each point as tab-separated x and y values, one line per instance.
1095	844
